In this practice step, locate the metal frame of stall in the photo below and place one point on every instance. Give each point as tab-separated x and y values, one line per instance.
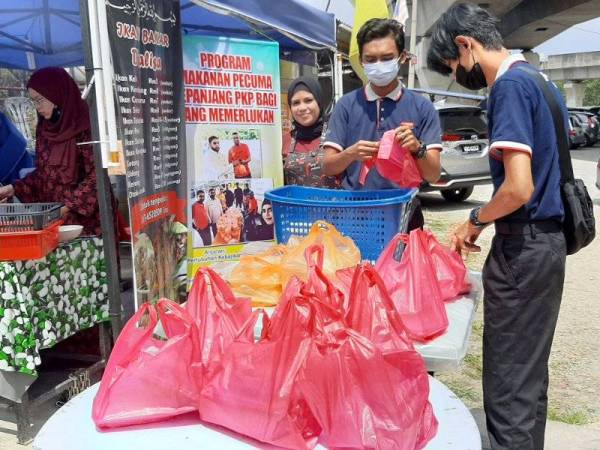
98	69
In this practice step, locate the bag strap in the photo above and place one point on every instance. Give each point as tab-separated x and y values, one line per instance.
564	157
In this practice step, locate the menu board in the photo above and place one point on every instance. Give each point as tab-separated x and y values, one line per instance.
145	40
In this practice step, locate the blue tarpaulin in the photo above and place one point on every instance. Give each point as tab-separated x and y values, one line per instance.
38	33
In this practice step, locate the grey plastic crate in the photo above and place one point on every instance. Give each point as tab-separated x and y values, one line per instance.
15	217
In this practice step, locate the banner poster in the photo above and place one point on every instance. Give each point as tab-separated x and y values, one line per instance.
145	41
233	130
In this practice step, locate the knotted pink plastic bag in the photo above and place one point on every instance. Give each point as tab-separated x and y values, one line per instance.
254	391
361	395
148	379
413	286
450	269
219	317
393	162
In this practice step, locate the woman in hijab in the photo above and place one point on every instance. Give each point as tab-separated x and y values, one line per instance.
13	153
302	151
64	171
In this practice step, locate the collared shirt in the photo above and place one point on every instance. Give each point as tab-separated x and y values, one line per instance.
362	115
519	119
214	208
215	166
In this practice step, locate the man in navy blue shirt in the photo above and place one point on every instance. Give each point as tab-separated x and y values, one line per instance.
523	275
362	116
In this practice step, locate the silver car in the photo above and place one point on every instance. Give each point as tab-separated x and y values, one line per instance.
465	152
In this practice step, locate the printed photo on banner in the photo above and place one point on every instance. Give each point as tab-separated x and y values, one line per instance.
233	135
228	153
231	212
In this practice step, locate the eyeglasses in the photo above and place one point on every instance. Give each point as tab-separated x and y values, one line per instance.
38	101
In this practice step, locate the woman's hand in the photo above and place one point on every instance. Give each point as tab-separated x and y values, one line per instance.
363	150
6	192
63	211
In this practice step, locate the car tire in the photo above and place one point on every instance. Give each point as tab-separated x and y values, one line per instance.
457	195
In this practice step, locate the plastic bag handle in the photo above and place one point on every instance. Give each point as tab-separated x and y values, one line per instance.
164	306
315	249
251	323
371	273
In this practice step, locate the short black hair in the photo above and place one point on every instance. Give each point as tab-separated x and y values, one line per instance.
212	138
235	133
380	28
462	19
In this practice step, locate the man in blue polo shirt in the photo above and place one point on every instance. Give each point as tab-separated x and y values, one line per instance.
362	116
524	273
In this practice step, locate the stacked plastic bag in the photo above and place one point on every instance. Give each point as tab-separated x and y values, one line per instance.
328	367
334	364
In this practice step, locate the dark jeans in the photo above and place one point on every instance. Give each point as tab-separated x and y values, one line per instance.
523	281
213	227
205	235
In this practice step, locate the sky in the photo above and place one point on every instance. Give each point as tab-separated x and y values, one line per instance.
584	37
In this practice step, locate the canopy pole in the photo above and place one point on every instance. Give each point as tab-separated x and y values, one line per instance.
88	25
338	76
413	43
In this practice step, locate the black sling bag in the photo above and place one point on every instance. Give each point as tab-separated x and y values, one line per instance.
579	226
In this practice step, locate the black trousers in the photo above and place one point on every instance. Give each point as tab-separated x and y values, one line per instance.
523	281
205	235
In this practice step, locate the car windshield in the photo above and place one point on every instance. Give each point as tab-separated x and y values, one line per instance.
464	122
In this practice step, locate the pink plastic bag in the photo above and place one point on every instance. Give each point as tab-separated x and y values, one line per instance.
148	379
413	286
374	316
219	316
359	398
450	269
254	391
394	162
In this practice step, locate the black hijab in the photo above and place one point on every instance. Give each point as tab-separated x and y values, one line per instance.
311	85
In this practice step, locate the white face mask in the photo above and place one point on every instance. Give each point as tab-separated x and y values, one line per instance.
382	73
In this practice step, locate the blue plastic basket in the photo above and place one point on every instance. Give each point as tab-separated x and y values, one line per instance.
370	218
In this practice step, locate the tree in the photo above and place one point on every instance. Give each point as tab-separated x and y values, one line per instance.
591	96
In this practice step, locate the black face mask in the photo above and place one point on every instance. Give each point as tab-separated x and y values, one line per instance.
473	80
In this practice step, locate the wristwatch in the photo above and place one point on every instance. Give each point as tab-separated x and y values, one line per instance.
474	218
422	152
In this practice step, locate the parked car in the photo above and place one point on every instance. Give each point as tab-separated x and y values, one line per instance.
465	150
576	131
590	129
598	174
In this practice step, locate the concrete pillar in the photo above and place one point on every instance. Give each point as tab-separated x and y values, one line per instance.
428	79
532	58
574	91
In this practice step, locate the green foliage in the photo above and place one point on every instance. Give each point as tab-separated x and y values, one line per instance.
591	96
570	417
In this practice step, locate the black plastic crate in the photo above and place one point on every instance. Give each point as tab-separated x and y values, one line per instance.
15	217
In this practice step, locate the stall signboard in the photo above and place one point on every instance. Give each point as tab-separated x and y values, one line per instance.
233	133
145	42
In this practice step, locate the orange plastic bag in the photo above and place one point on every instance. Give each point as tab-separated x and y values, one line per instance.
339	252
450	269
259	277
254	391
413	286
148	379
